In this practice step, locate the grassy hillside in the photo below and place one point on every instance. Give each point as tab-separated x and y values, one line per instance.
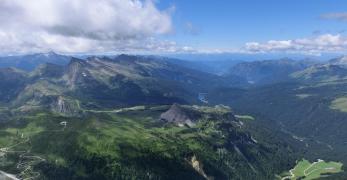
321	73
339	104
136	144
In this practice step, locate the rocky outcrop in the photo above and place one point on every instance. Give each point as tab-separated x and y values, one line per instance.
177	115
199	167
65	106
74	72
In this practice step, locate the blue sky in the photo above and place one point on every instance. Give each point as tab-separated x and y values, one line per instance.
232	23
308	27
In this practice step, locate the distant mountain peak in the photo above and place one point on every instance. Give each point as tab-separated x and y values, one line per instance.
32	61
125	56
48	54
339	61
129	57
74	60
51	53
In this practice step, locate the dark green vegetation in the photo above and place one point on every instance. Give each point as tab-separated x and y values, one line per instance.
311	114
136	144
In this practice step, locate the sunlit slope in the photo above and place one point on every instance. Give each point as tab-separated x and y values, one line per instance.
307	171
137	144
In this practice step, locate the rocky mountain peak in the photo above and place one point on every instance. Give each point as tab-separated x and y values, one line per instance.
177	116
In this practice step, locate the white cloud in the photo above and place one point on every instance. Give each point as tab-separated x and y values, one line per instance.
83	26
314	45
337	16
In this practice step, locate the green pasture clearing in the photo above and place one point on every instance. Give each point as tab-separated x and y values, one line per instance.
303	96
306	170
339	104
245	117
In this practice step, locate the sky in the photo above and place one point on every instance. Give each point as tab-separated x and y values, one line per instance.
308	27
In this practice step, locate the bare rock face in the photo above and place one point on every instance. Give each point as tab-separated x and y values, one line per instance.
64	106
74	72
61	106
198	166
177	116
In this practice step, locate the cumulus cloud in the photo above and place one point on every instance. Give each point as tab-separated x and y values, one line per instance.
337	16
83	26
314	45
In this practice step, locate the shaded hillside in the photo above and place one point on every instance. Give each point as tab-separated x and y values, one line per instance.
309	109
313	115
12	81
268	71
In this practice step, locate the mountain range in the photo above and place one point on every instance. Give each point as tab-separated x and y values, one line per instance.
31	61
104	83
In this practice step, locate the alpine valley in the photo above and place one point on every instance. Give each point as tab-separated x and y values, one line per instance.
151	117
